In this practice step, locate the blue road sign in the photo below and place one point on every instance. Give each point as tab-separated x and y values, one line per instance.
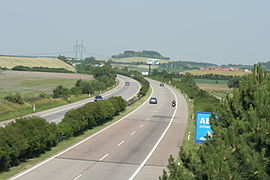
203	127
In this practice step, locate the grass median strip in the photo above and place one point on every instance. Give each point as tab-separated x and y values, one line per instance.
66	143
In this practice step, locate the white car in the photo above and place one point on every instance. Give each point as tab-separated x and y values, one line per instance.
153	100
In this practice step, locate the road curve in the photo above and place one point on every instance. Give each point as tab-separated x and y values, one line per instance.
135	147
57	114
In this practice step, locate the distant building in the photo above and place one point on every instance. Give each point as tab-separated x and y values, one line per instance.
75	64
145	73
213	68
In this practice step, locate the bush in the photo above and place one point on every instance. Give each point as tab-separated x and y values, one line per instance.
44	95
14	98
61	91
25	138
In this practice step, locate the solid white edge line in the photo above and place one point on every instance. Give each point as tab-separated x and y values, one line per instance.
157	143
71	107
49	159
103	157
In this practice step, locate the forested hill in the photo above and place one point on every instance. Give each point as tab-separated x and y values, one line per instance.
144	53
266	65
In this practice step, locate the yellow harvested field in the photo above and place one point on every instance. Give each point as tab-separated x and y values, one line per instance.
136	59
214	87
226	73
11	62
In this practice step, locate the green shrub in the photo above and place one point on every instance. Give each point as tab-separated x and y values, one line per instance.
25	138
61	91
14	98
44	95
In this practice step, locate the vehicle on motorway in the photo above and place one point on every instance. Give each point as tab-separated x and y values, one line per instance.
98	98
173	103
161	84
153	100
127	83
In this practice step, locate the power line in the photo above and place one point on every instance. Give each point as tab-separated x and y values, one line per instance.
78	48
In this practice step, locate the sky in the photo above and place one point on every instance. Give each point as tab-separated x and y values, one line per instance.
216	31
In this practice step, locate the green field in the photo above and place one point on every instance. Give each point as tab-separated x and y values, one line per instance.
30	85
218	88
207	81
171	69
10	62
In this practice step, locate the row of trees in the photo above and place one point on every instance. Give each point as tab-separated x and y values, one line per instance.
144	53
240	145
29	137
41	69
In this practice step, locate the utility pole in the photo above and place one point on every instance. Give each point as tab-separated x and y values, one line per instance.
76	48
79	48
82	50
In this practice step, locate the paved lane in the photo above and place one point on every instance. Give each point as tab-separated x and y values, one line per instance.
119	150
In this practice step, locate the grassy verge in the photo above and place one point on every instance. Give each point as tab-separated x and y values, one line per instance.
67	143
27	109
189	138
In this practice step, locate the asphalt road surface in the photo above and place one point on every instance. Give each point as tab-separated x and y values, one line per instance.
57	114
135	147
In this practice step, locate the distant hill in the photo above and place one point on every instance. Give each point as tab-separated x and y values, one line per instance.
10	62
144	53
266	65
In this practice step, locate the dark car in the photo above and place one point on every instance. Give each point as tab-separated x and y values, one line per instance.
98	98
161	84
127	83
153	100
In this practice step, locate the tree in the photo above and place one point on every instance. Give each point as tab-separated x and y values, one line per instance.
61	91
240	145
234	82
63	58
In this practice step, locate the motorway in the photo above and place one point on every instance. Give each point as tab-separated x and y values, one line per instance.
57	114
135	147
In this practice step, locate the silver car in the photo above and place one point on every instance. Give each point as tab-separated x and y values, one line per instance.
153	100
